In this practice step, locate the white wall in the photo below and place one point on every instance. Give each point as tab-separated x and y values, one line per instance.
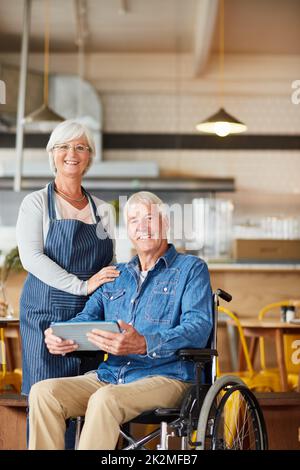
159	93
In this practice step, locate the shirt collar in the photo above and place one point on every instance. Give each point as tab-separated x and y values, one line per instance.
168	257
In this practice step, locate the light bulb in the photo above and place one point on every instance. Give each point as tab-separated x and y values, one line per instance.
222	128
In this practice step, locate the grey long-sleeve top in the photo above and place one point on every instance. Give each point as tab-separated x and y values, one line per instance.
31	232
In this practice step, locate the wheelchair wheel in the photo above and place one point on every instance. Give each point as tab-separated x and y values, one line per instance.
231	418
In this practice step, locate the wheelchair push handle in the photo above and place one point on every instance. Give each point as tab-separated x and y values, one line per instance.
223	295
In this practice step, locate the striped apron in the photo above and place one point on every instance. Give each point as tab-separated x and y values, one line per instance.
75	247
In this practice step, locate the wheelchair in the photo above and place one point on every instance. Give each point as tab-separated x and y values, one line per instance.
215	414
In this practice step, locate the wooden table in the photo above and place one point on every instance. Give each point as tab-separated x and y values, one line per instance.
254	328
13	421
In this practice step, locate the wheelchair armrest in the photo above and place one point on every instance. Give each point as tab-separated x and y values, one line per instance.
197	355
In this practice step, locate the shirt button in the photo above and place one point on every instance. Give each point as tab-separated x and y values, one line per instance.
112	297
132	301
154	355
128	363
165	289
120	381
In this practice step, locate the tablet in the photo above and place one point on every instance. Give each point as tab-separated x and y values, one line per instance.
77	331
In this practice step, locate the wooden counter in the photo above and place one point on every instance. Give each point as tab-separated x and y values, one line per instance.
13	422
282	416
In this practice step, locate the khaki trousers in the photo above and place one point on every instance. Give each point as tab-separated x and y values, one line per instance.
104	405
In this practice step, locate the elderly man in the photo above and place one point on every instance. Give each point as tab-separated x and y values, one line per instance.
162	301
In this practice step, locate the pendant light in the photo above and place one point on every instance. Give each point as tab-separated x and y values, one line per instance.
221	123
44	118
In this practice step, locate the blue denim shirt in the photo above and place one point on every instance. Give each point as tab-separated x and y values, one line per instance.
172	309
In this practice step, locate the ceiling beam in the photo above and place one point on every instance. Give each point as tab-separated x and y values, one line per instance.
206	16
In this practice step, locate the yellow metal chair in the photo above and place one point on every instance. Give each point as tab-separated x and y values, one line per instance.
14	378
254	380
257	381
293	370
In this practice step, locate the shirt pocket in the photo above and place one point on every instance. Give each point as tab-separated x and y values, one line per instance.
114	303
160	306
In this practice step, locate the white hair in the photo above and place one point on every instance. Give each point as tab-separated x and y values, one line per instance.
66	131
147	198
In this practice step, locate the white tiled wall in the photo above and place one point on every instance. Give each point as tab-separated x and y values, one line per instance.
258	91
170	113
263	170
159	93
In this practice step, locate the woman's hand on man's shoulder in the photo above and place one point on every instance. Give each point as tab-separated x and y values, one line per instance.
107	274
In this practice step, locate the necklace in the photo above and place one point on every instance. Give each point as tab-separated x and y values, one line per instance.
68	197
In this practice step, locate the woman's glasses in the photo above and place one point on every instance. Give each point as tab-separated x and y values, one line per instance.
64	148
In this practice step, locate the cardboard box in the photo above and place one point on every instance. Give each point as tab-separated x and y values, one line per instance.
266	250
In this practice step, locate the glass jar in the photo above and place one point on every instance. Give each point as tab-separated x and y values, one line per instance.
290	313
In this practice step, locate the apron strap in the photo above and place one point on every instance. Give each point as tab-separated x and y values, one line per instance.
51	207
97	217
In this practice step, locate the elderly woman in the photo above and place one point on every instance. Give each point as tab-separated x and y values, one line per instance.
66	248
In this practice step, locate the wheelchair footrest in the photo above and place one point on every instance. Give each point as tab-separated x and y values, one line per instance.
167	412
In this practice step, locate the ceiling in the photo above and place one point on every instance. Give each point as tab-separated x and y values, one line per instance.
256	26
261	27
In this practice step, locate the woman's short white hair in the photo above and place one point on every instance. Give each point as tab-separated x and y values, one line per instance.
147	198
66	131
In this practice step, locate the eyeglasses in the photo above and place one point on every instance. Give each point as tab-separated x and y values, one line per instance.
79	148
